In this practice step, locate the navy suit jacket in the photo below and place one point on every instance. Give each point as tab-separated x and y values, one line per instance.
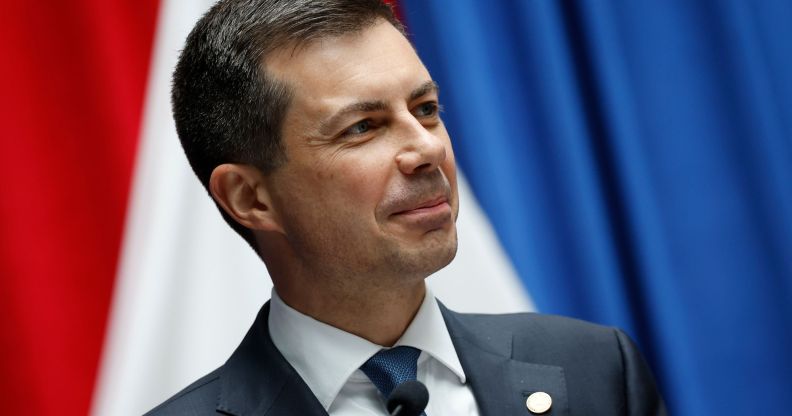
587	369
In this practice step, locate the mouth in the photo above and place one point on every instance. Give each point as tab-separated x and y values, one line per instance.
435	204
422	205
427	216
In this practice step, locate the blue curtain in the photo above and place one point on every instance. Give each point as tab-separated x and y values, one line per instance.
635	159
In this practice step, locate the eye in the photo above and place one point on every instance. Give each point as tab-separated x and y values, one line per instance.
428	109
360	127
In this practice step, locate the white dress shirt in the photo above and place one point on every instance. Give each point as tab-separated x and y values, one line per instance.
328	359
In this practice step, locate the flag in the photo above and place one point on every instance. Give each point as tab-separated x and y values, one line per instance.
626	164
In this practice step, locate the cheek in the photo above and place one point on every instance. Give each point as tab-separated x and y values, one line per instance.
354	184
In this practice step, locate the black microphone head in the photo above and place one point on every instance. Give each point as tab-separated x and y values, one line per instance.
411	395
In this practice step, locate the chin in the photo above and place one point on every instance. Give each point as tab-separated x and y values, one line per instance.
434	257
419	259
443	259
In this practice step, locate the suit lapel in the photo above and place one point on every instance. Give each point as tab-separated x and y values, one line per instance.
257	380
501	384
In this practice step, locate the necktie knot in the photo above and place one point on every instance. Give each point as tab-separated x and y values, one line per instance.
389	368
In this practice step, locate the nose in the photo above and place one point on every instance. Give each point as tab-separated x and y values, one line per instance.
422	151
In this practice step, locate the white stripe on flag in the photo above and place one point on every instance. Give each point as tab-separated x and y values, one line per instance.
188	287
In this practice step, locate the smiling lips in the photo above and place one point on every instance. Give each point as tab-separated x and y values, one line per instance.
429	215
427	207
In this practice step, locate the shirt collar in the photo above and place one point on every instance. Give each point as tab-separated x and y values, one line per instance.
428	333
325	357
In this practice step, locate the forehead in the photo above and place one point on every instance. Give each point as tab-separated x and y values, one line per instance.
377	63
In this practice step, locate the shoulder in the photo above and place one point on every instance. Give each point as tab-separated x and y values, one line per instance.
553	339
199	398
598	361
540	327
529	321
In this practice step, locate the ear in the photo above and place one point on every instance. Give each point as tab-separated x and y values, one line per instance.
242	192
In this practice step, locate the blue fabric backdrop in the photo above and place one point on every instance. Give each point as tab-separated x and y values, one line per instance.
635	158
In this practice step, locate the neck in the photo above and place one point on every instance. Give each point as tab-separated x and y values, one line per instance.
377	306
380	315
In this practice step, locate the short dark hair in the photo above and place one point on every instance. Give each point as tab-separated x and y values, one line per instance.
226	107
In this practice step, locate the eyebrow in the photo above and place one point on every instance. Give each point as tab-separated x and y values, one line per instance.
423	89
369	106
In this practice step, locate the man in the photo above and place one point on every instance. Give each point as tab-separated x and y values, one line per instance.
316	129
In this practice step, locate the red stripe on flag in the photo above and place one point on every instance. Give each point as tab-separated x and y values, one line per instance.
73	80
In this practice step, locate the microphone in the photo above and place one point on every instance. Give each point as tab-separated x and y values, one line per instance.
408	399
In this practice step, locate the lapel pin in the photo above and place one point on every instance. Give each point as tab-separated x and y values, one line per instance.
539	402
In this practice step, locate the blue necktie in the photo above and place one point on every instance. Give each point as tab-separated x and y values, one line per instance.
389	368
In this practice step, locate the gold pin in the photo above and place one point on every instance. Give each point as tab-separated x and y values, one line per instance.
539	402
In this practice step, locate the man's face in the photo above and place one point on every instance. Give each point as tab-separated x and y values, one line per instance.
369	188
